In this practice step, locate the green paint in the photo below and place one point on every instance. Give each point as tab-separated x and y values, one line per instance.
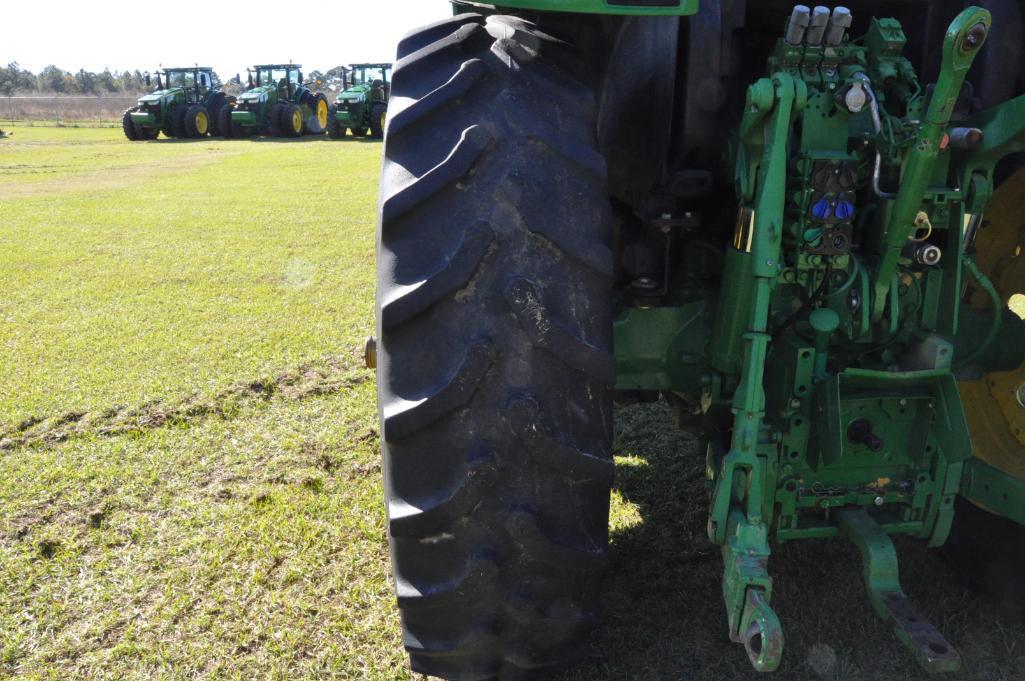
882	581
959	51
831	367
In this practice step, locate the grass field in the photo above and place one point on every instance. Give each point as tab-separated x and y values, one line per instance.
188	455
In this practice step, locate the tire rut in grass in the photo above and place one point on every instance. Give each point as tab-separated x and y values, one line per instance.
322	377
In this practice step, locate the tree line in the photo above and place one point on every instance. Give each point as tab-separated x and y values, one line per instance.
15	80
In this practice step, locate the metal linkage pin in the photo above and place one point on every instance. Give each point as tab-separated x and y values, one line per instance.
839	22
817	26
797	25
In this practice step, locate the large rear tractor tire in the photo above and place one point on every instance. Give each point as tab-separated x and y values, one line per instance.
987	549
378	112
128	127
334	129
495	360
197	121
317	122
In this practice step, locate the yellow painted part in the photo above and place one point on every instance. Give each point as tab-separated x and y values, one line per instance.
202	123
322	113
383	117
297	121
994	405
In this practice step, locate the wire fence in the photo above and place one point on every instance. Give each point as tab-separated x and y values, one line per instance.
65	110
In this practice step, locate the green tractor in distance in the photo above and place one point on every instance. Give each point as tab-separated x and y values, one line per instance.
185	104
800	228
277	103
361	107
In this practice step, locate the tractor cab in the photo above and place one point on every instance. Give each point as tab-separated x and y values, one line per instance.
373	78
195	81
360	107
286	79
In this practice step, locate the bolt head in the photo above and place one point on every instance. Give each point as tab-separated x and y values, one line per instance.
646	283
1019	395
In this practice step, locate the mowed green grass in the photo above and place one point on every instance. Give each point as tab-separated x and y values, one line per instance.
133	272
189	472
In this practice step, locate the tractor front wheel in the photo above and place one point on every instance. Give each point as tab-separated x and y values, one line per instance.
197	121
378	112
214	107
128	127
224	121
292	120
495	365
239	131
274	126
334	128
178	122
358	132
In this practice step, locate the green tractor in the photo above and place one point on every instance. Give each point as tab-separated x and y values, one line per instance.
362	106
185	104
800	227
277	103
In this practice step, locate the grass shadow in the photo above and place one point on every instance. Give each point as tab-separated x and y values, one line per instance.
663	615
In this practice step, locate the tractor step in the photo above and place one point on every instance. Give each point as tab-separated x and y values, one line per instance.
882	579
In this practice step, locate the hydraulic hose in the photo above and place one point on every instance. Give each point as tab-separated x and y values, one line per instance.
855	270
998	311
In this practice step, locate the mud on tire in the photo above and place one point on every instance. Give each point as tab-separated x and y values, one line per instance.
495	349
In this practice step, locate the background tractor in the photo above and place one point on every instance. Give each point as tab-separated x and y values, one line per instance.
185	104
362	106
277	103
800	227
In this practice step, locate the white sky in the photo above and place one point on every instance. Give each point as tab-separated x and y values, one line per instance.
226	34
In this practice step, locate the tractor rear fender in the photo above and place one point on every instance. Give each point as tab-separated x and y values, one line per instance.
635	117
664	86
628	7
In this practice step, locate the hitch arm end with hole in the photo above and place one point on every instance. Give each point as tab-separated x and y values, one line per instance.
963	41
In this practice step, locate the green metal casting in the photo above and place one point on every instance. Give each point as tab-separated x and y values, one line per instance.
828	347
963	41
882	580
